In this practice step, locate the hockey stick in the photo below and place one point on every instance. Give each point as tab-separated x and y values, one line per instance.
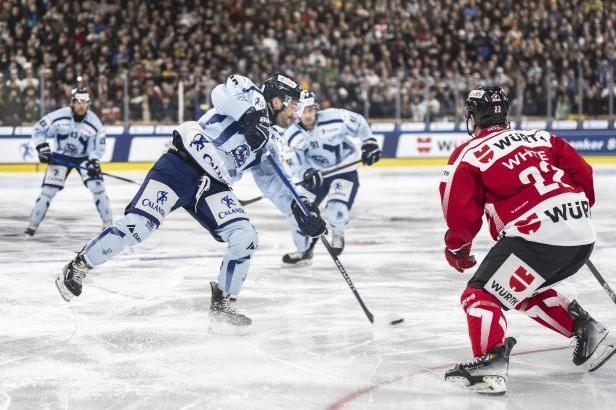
394	319
70	164
601	281
326	173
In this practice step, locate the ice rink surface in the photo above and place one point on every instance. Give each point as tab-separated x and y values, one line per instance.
138	338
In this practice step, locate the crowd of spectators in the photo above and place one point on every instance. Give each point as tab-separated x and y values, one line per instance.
364	55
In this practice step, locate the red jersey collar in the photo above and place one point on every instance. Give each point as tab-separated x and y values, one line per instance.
489	130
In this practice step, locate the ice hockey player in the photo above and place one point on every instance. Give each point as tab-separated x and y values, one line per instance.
206	157
319	140
79	144
537	193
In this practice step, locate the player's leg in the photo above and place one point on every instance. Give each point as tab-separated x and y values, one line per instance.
150	205
220	212
340	198
96	185
53	182
594	346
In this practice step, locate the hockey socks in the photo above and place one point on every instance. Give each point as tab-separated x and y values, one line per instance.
549	309
486	321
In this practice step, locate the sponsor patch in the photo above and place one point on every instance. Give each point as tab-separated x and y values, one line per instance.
447	173
225	207
513	282
287	81
157	199
55	175
340	189
476	94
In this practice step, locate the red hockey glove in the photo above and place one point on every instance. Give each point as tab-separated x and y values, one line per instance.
460	259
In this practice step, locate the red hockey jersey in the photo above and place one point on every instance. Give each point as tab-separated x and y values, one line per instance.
528	183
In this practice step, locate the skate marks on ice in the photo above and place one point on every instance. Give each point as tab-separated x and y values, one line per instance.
138	335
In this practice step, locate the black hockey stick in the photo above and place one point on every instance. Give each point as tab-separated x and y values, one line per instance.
394	319
70	164
601	281
326	173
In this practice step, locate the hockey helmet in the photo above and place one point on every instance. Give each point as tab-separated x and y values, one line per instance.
307	99
80	94
281	86
488	105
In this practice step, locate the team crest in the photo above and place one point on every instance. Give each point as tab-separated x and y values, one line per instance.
198	142
228	201
240	155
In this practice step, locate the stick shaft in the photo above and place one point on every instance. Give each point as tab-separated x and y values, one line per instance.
343	272
601	280
325	173
70	164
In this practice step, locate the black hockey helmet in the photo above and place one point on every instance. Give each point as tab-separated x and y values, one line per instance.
281	86
488	106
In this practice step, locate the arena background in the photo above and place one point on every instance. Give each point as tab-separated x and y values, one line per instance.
405	65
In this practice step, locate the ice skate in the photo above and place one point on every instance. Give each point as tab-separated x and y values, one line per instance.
299	258
338	244
593	345
69	281
486	374
224	318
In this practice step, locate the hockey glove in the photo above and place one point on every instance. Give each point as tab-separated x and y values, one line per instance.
255	127
93	168
460	259
44	152
370	152
311	225
313	179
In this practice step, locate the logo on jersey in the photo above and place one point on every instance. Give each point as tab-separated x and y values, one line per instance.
56	172
198	142
521	279
228	201
70	149
529	225
320	160
338	186
573	210
161	197
240	155
484	154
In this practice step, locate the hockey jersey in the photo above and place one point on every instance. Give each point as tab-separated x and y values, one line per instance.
336	138
217	146
529	184
85	138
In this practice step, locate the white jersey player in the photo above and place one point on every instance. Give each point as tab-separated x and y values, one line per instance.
318	141
206	157
79	144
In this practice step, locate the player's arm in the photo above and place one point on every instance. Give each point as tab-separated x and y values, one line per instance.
462	200
96	150
40	132
360	129
570	161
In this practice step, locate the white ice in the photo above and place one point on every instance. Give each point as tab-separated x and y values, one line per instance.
138	336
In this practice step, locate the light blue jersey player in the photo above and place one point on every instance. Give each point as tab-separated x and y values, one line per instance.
318	141
79	138
205	158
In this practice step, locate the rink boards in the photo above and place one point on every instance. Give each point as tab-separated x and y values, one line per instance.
404	144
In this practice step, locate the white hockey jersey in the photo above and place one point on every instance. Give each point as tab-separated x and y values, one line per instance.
218	147
336	138
74	139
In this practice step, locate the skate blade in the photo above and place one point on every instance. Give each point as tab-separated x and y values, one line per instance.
64	292
226	329
494	385
603	353
299	264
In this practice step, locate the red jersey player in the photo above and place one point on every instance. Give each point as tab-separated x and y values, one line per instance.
536	192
